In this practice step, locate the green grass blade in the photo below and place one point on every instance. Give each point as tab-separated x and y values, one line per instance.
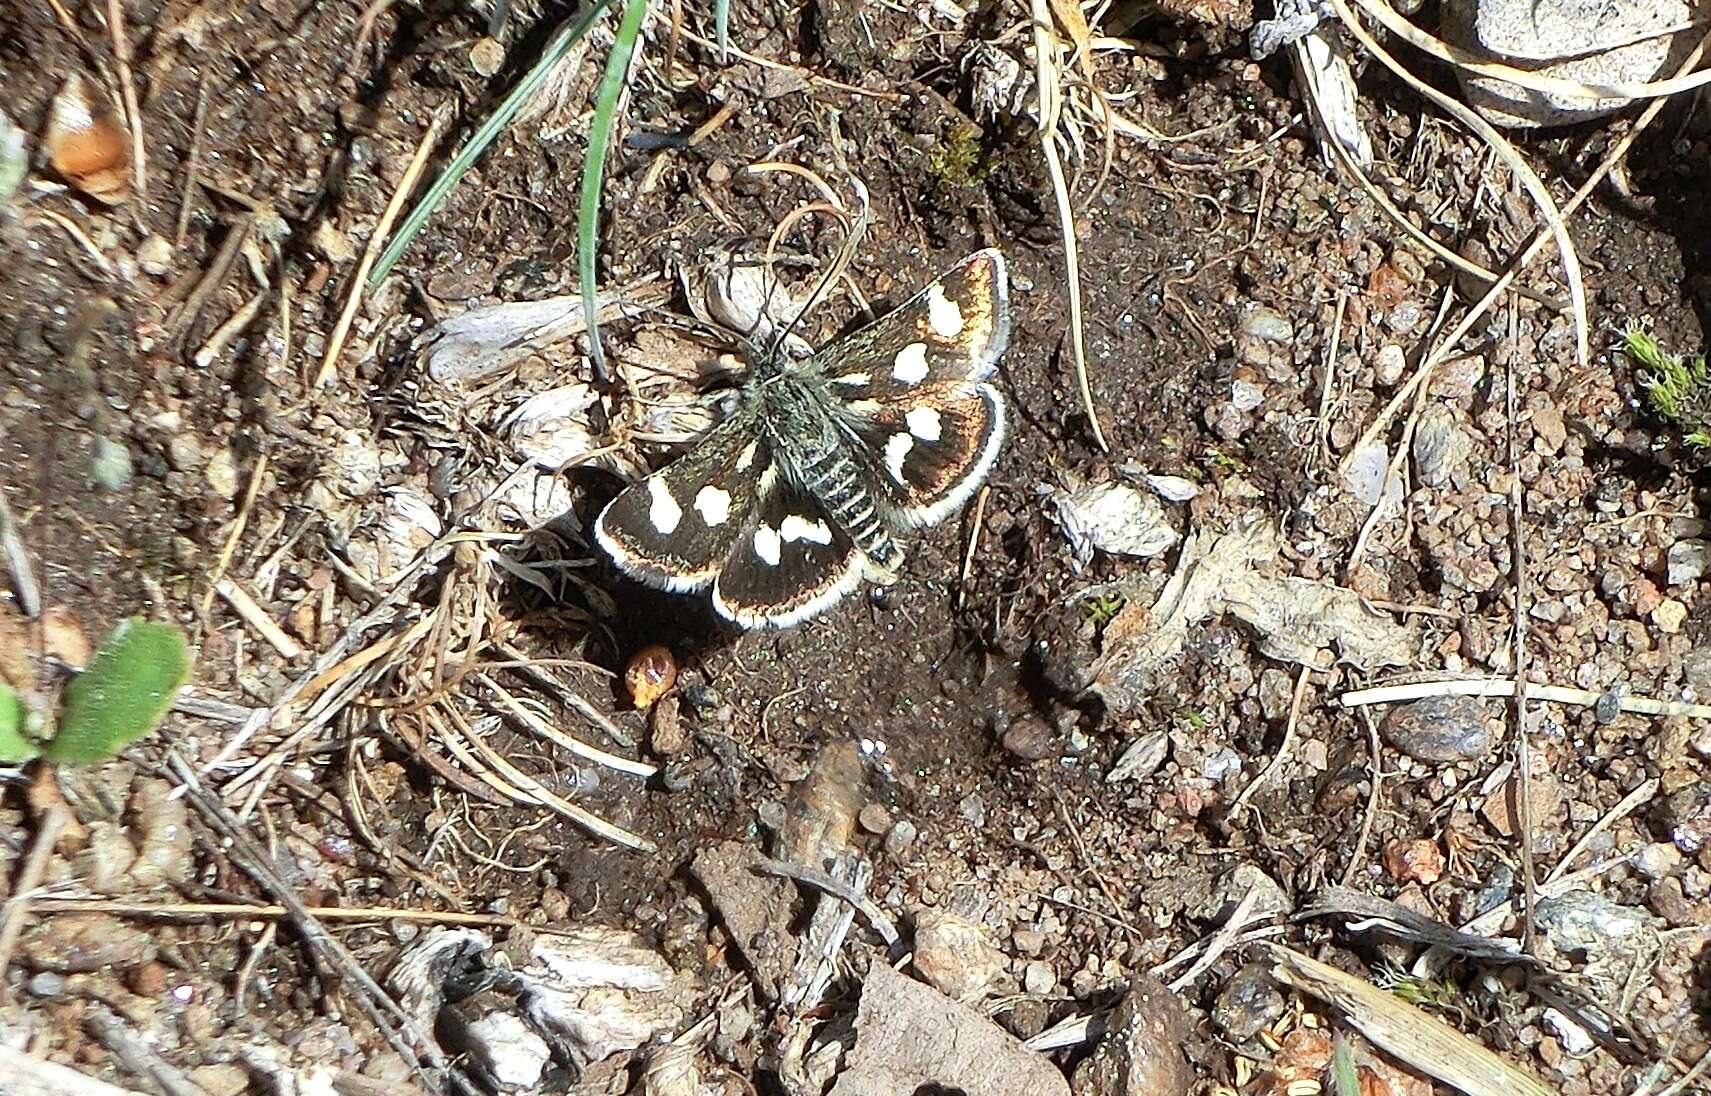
722	28
560	44
594	169
15	745
122	696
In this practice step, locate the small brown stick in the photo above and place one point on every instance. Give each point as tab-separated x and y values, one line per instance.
17	559
137	1056
192	163
1283	747
359	277
23	1075
400	1030
256	617
12	914
1371	799
1220	941
1523	751
246	969
1630	802
230	545
973	540
128	88
876	917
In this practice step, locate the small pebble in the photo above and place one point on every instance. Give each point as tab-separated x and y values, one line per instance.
1141	758
486	57
154	255
1260	322
1141	1053
222	474
1440	728
1248	1003
1038	978
953	955
1669	616
1414	860
973	810
1388	364
111	467
1441	447
874	818
46	984
1688	561
901	836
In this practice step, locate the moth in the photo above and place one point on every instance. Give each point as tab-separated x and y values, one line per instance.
812	482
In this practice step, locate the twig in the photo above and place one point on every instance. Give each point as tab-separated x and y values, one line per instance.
1634	799
137	1056
401	1031
1523	750
1533	81
230	545
1282	754
22	1075
17	559
128	88
1220	941
552	734
973	540
1372	799
588	820
1447	345
193	911
1555	218
256	617
1505	687
192	164
53	823
359	277
813	877
1050	107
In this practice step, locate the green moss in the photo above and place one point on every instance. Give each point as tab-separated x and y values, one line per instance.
1677	389
958	163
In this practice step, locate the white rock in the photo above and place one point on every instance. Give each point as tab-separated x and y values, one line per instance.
1574	1038
1590	41
1688	561
511	1053
1368	476
1115	518
1142	757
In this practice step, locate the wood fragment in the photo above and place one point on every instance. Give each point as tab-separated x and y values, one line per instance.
1417	1039
256	617
23	1075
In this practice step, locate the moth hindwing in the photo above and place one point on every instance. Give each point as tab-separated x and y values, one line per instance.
821	467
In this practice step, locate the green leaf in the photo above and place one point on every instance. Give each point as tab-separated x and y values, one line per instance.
122	696
15	746
556	50
594	169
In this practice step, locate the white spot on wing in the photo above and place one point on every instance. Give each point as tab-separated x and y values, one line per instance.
713	504
910	366
796	527
943	315
663	513
856	380
747	457
897	448
767	545
924	423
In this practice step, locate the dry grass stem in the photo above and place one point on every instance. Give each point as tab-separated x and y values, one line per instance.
1505	687
376	242
256	617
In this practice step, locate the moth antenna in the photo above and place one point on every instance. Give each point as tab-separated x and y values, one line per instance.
855	228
